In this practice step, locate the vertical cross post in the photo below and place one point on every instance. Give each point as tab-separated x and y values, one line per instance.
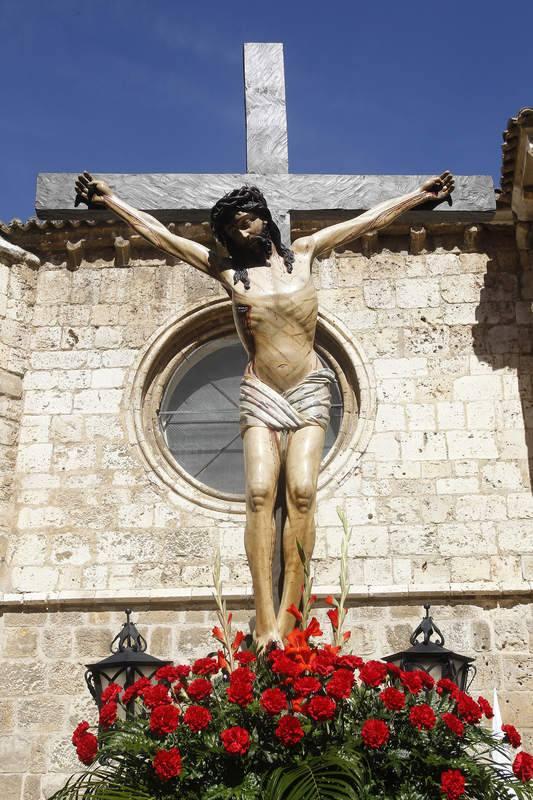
267	149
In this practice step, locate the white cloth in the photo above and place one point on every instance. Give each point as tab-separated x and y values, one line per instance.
308	403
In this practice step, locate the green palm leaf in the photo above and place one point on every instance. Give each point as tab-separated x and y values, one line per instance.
327	777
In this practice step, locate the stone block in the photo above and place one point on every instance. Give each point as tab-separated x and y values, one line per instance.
74	457
475	445
421	417
7	716
462	539
390	417
413	540
20	643
520	506
98	401
10	786
462	288
471	387
470	569
19	679
27	549
480	507
379	294
53	401
108	378
10	384
417	292
368	540
385	447
481	636
396	390
387	368
515	536
423	446
501	476
42	518
34	579
457	485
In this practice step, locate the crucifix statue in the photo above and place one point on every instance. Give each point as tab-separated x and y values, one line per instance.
285	391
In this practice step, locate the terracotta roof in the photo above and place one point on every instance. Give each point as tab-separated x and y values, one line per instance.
34	224
511	136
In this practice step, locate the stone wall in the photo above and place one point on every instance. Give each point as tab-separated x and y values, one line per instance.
18	277
440	503
43	694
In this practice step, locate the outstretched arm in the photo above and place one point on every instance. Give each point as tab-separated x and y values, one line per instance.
97	193
376	218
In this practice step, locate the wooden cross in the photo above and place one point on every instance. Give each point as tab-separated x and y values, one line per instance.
174	197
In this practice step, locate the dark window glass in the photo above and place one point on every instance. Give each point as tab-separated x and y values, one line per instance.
199	416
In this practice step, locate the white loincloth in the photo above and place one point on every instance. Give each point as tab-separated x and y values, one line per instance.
308	403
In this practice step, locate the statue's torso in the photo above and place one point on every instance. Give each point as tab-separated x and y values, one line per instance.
276	321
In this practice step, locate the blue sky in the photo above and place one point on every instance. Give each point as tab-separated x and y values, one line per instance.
136	86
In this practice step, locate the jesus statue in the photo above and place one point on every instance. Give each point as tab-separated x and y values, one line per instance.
285	390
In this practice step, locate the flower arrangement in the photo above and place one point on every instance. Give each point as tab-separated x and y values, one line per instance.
307	720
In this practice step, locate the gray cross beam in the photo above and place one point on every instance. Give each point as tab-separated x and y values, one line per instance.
190	196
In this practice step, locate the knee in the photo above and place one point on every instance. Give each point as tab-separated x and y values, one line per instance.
260	497
302	496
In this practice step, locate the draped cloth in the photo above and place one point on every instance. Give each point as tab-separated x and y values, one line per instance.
308	403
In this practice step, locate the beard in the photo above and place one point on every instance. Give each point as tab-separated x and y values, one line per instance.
254	250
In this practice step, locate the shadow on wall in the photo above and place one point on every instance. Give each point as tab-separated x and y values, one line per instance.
503	338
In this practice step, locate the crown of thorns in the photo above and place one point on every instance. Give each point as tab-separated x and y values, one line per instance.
247	198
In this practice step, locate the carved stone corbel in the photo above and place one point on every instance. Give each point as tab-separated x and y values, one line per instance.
122	251
75	254
417	240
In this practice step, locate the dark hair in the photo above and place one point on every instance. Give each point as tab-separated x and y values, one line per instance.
247	198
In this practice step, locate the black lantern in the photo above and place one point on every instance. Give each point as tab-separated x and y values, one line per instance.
433	657
129	662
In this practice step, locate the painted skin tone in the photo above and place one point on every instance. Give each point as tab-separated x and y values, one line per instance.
276	322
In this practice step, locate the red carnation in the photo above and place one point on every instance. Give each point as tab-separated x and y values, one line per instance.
446	685
511	734
427	681
273	701
164	719
86	748
155	695
324	662
199	689
245	657
321	709
82	729
394	670
486	707
241	694
197	718
340	684
453	723
167	764
452	783
523	766
111	691
349	662
289	731
412	681
282	664
242	675
392	699
373	673
235	740
108	714
375	733
467	708
422	716
135	690
205	666
169	673
183	671
306	686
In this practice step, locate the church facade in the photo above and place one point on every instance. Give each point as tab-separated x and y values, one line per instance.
429	328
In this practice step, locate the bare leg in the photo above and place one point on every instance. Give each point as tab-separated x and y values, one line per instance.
262	468
304	453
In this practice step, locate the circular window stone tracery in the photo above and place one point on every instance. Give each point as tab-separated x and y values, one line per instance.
185	406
